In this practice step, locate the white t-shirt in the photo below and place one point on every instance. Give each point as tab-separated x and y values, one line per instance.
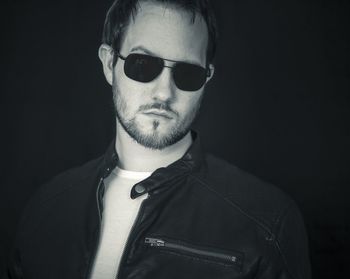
119	214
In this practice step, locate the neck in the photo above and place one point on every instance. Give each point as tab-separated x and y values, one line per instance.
135	157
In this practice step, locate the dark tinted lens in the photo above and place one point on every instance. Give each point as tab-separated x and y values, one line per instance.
143	68
189	77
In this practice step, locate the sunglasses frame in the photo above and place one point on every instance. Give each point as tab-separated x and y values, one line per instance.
207	69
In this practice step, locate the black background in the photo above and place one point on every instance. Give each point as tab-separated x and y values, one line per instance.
277	107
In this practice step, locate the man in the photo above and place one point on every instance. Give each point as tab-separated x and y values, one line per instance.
154	206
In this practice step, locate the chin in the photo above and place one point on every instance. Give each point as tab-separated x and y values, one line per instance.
158	135
153	133
160	138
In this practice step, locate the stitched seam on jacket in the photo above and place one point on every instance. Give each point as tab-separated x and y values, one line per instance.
235	205
260	224
277	243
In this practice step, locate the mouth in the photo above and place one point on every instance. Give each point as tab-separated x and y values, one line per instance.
158	113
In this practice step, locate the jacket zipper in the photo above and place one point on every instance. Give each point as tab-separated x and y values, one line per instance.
92	257
189	249
126	246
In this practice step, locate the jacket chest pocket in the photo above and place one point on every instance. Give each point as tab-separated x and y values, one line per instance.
197	261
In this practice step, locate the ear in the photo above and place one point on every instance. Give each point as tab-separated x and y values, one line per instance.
212	70
105	53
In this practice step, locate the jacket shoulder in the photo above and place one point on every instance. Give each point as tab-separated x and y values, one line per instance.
254	197
49	194
267	208
67	179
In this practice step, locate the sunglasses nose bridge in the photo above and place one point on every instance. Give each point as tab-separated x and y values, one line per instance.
168	63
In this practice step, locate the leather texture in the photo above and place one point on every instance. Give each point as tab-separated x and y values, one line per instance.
216	221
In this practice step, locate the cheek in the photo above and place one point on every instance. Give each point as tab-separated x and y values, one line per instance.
189	103
131	94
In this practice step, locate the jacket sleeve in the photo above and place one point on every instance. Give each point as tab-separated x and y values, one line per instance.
290	256
13	269
14	262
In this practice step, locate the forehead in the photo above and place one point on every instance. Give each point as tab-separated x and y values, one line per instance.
168	32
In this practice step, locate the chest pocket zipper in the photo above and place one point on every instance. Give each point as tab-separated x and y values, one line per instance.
220	257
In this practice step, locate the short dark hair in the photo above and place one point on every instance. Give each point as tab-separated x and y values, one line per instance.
119	15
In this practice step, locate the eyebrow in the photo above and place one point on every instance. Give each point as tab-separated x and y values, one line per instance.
151	53
143	49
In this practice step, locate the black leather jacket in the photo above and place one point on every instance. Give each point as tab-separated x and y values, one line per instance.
203	219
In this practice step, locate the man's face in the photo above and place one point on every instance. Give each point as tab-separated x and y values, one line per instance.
157	114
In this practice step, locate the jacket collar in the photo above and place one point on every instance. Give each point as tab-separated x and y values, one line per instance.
189	162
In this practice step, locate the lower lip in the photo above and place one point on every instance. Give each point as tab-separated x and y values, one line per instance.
158	115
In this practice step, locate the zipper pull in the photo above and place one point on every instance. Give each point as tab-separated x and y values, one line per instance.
154	242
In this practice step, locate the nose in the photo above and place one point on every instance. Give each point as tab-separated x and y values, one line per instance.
164	88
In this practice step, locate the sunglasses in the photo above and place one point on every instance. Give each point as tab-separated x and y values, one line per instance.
145	68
